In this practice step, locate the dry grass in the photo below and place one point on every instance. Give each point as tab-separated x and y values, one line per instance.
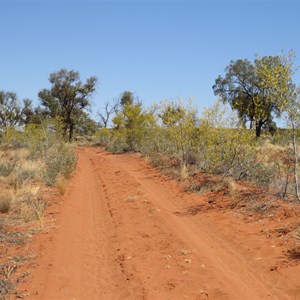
7	284
25	171
32	189
234	192
62	184
5	201
294	253
131	198
32	209
207	186
184	251
34	166
22	172
184	172
297	232
19	153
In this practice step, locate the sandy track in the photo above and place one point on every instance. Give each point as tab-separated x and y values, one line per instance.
120	236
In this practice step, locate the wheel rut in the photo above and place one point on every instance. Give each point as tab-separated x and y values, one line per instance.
119	237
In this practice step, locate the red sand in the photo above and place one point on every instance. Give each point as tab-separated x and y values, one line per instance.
120	236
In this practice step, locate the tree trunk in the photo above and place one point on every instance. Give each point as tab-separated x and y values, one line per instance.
295	163
258	127
71	131
287	175
251	123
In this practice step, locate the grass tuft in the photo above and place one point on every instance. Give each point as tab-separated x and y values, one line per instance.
184	172
5	202
62	184
32	209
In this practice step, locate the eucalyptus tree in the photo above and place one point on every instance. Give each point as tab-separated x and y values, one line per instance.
68	98
258	91
12	111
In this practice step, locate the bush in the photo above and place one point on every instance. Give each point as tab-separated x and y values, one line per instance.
24	175
103	137
61	160
226	151
263	174
61	184
117	144
6	168
32	209
5	202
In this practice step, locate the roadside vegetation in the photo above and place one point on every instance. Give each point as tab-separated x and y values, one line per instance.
27	169
236	138
230	147
35	156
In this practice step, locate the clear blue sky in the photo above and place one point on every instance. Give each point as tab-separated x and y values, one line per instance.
156	49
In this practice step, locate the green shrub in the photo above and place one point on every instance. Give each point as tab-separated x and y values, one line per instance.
60	160
117	144
6	168
263	174
103	137
23	175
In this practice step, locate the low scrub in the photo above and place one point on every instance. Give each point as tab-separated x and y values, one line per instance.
29	159
62	184
7	281
32	209
6	168
215	142
5	202
60	161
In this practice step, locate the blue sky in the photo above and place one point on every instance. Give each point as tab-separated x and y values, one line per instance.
156	49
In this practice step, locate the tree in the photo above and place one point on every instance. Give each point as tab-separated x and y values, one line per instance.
67	98
107	112
36	115
293	123
12	112
180	125
86	125
131	121
127	98
258	91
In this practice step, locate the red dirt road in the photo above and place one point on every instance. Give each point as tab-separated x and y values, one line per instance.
125	233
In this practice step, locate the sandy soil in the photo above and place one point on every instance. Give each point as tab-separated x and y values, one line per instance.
125	232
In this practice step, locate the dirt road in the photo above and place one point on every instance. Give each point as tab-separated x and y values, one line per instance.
126	233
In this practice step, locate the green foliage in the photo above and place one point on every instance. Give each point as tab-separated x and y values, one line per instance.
6	168
281	137
37	138
275	79
67	98
12	112
265	173
60	160
103	137
225	147
256	91
179	128
127	98
86	125
118	143
129	126
13	137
